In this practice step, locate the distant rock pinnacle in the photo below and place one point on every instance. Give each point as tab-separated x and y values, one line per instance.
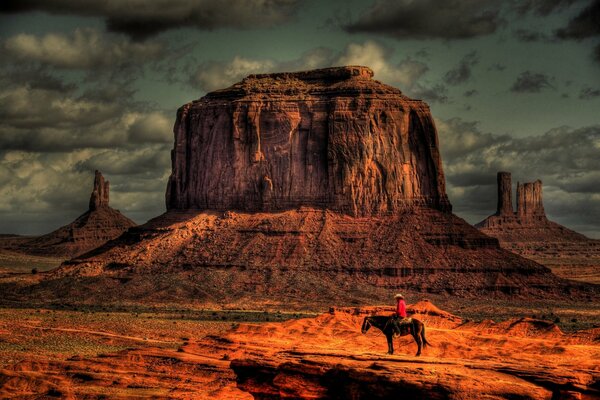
100	193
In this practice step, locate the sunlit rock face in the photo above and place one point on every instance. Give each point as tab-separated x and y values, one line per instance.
331	138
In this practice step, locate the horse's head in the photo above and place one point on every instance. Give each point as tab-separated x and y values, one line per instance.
365	325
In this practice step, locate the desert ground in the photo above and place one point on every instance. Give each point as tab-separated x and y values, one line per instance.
481	348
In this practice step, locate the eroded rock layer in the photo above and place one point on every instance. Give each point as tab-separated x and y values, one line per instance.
531	234
297	258
331	138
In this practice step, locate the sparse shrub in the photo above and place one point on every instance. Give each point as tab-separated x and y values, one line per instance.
34	271
225	357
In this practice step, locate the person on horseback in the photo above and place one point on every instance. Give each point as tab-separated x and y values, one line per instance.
400	317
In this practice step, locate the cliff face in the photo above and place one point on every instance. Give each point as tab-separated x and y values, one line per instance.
332	138
529	233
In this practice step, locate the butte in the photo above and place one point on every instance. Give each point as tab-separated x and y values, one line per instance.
530	233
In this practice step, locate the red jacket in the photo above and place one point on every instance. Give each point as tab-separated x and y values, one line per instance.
401	308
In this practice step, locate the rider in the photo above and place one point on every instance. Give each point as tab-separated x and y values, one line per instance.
400	315
400	306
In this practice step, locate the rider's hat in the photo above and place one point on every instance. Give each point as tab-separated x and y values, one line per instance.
398	296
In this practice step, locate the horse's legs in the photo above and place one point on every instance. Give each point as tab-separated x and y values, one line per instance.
390	343
417	336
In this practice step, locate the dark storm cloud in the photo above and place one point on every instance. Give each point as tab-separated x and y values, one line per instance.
527	35
84	48
462	72
148	160
55	118
471	93
531	82
586	24
589	93
565	159
540	7
142	19
429	19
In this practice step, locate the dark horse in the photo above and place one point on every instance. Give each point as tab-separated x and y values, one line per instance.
386	325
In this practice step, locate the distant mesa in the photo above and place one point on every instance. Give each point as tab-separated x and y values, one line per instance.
99	224
530	233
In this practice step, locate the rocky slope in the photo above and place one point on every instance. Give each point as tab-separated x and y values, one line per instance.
298	258
531	234
99	224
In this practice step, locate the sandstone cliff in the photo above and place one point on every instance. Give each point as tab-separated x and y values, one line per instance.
530	233
332	138
99	224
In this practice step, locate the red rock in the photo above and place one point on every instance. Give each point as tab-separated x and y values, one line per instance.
332	138
504	194
529	233
529	200
99	224
100	193
314	188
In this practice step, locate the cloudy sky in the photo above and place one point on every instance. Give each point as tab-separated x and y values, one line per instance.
513	85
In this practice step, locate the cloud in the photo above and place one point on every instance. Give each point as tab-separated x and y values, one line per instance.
83	49
531	82
377	56
471	93
589	93
428	19
540	7
142	19
56	119
154	127
565	159
406	74
527	35
584	25
35	199
462	72
497	67
213	75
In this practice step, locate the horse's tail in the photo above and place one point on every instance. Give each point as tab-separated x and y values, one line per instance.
425	342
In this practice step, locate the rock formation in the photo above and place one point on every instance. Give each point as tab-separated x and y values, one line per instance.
331	138
317	188
504	194
528	232
100	193
99	224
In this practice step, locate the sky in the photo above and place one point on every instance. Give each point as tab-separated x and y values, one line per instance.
513	86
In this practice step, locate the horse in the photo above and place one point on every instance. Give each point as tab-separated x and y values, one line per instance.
386	325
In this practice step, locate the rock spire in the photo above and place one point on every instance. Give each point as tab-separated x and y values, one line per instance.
100	192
